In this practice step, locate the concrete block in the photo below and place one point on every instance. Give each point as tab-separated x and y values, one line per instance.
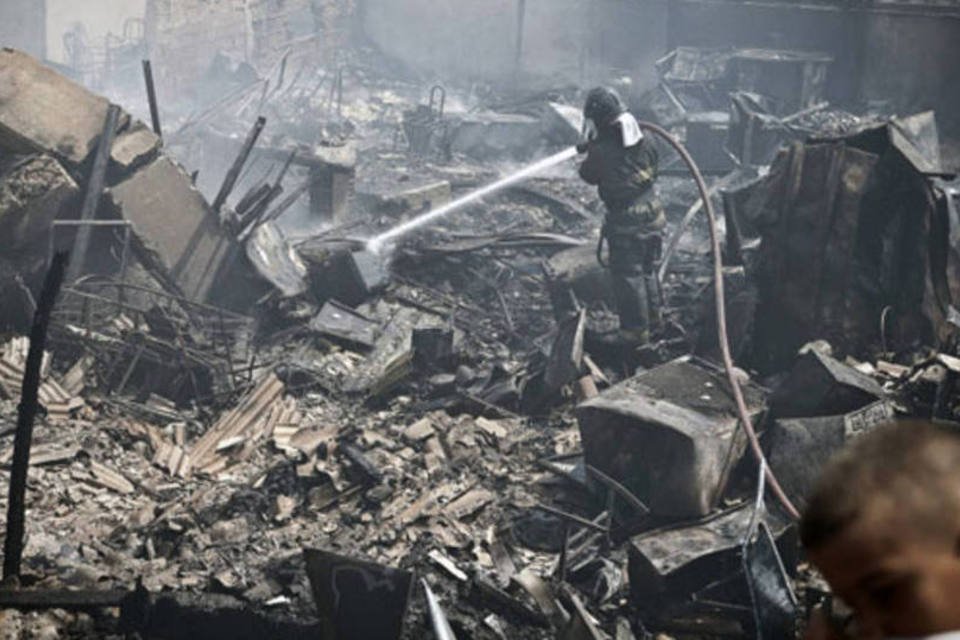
669	434
333	182
41	110
135	147
175	230
33	193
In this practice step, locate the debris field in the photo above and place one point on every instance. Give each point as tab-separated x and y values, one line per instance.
247	424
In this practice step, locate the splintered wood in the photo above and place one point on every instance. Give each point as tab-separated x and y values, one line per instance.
263	413
283	423
106	477
171	457
166	455
57	401
259	414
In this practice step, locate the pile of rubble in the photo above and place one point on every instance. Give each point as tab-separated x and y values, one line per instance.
252	427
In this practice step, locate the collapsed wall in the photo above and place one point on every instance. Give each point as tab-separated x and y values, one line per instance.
50	128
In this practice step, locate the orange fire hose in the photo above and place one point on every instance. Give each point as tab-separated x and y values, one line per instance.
722	318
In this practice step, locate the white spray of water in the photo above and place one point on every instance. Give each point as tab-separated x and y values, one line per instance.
377	243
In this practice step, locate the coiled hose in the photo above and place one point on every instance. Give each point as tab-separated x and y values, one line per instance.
722	336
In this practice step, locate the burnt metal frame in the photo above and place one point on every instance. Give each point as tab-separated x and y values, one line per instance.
127	228
219	327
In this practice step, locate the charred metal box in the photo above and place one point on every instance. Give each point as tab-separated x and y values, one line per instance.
704	560
350	277
670	435
797	448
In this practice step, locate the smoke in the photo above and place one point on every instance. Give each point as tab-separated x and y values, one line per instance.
99	18
563	41
377	243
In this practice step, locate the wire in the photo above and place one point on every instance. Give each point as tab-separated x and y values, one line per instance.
722	335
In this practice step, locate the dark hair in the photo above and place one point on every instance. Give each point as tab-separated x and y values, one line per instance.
915	464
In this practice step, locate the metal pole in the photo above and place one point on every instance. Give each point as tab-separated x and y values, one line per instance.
152	98
91	199
231	178
258	212
27	411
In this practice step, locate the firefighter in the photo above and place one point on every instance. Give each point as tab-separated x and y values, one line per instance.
623	165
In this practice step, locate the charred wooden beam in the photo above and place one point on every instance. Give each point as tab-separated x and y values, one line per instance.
167	615
234	173
68	600
16	505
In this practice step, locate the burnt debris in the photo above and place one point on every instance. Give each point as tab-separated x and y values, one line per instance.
251	418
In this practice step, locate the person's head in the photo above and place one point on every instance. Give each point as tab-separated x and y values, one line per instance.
883	526
603	105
